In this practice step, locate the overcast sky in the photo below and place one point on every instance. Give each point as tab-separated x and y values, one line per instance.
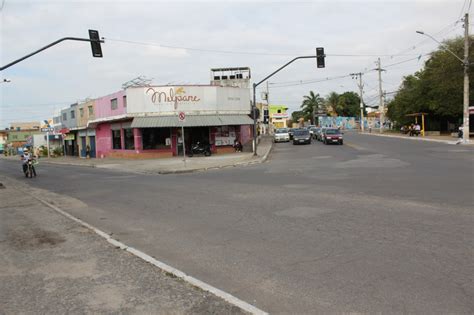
262	35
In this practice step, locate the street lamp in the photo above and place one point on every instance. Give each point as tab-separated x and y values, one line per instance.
465	63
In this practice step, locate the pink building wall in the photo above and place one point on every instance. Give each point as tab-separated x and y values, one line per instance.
103	139
246	134
103	108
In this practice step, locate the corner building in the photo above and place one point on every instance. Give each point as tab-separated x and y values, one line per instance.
147	125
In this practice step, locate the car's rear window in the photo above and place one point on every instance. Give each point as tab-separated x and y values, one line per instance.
282	130
332	131
301	132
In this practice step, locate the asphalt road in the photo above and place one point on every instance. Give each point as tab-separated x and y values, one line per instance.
375	225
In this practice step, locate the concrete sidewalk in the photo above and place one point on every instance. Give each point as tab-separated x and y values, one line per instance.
440	139
52	265
169	165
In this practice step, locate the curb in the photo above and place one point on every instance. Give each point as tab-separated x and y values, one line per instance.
161	265
181	171
410	138
69	164
263	159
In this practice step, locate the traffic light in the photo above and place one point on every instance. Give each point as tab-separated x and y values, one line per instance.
265	116
320	57
95	43
255	113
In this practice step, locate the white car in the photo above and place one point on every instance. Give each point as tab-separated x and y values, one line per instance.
281	135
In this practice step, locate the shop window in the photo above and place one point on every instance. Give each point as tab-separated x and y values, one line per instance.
116	140
91	110
129	141
225	135
113	104
156	138
64	116
125	101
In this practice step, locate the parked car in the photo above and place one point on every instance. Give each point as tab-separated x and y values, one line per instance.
281	135
301	136
332	135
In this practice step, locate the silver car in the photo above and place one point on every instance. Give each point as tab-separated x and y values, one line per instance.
281	135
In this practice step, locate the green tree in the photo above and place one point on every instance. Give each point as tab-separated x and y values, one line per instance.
436	89
310	104
331	103
296	115
348	105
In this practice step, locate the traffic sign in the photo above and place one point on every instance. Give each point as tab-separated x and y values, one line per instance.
182	117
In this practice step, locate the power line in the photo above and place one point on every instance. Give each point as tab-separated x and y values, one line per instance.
241	52
308	82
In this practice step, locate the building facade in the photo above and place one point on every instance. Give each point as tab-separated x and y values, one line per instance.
143	122
278	116
86	136
69	130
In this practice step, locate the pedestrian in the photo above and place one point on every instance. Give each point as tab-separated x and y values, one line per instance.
417	129
237	145
88	151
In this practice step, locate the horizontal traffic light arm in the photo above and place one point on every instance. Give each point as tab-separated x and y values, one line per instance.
281	68
46	47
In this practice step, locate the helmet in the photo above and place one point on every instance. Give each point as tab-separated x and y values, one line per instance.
25	150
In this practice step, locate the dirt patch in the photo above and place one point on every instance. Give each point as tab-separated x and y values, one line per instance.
33	238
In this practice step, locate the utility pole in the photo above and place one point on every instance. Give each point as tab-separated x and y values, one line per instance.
465	131
267	127
381	104
361	91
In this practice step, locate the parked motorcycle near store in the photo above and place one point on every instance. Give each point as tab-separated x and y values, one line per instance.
200	148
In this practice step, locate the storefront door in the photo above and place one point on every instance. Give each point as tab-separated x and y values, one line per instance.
92	146
83	146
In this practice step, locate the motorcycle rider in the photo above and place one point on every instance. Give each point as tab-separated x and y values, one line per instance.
24	159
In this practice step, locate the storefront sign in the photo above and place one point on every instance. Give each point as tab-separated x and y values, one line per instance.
279	115
193	100
173	95
69	136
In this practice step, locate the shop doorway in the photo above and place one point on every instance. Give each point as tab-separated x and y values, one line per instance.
83	147
92	146
192	135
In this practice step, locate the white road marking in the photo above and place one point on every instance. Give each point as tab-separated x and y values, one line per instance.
167	268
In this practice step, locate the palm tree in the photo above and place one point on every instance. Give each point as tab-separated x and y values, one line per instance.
332	101
310	104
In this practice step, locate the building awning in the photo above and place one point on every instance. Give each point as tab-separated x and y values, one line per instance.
191	121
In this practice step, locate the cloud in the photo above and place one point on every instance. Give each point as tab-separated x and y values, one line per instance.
67	72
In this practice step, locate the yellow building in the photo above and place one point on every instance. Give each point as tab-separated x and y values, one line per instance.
278	116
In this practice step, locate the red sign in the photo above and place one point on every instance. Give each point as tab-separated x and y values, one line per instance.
182	117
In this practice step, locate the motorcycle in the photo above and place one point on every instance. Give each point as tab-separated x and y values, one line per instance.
200	148
30	169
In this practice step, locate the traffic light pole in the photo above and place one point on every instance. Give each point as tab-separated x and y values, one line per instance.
254	105
46	47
